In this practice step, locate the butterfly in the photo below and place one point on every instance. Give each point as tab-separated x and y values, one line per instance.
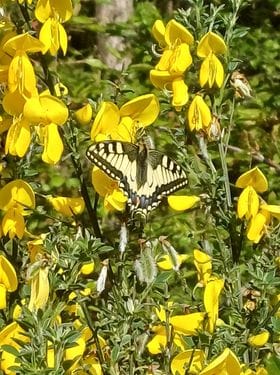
145	175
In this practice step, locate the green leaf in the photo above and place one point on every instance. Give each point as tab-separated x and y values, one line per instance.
273	365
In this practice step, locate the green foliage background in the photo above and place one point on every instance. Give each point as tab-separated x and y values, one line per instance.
123	312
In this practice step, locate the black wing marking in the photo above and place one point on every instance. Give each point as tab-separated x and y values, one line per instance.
112	157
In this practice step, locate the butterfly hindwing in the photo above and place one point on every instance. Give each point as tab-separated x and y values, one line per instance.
145	176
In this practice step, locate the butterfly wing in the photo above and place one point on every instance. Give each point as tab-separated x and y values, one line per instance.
117	160
144	180
164	177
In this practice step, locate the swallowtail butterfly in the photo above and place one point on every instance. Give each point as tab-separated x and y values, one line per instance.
145	175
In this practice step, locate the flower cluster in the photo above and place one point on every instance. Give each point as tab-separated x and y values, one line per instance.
175	41
252	207
26	109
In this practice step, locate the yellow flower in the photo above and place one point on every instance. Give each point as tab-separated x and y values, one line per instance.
189	361
167	263
225	364
257	225
174	83
68	206
40	288
212	292
175	39
254	178
187	325
199	114
176	58
45	9
36	248
259	340
203	264
8	280
15	199
157	344
52	34
48	112
211	71
8	336
21	76
106	187
84	114
18	137
182	202
87	268
122	124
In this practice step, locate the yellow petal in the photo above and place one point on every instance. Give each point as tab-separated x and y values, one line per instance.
180	93
8	276
226	363
43	10
21	76
256	226
189	360
13	223
106	120
259	340
182	202
211	72
158	342
45	109
188	324
255	178
3	297
39	289
87	268
144	109
84	114
13	103
126	130
74	354
115	201
199	114
163	79
158	31
63	39
180	59
7	336
248	203
68	206
53	36
203	264
62	10
164	62
18	138
212	292
166	263
177	33
273	209
17	192
211	42
24	43
102	183
53	146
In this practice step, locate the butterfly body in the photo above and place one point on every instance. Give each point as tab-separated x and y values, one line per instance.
145	175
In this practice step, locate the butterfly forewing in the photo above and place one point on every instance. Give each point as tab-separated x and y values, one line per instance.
145	176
